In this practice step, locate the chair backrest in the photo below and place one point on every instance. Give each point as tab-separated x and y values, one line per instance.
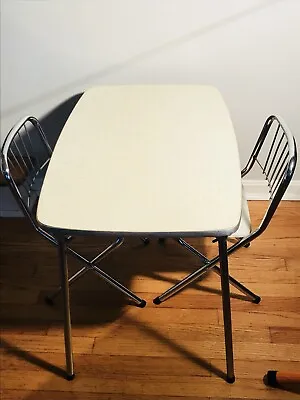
25	156
275	153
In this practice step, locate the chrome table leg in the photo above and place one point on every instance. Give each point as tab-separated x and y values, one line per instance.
222	242
67	313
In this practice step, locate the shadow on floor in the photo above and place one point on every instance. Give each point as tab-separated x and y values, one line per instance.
29	271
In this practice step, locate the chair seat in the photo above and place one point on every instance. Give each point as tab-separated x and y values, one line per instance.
245	224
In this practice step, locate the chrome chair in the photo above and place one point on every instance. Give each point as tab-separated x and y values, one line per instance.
275	154
25	156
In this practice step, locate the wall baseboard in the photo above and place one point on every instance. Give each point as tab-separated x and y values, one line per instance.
8	205
255	190
11	214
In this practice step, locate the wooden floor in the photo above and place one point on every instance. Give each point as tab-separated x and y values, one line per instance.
170	351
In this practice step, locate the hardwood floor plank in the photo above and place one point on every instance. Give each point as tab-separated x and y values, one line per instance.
293	265
12	295
139	385
128	329
257	318
46	395
47	344
25	329
155	343
106	366
95	365
285	335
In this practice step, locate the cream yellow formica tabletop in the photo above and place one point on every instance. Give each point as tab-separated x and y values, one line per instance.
145	159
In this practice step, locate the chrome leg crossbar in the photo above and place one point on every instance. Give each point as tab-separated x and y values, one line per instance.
207	266
90	266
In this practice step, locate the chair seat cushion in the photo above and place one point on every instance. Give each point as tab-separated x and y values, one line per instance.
245	224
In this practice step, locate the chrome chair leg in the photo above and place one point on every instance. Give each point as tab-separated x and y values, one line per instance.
49	299
139	302
184	282
109	279
113	246
222	242
67	313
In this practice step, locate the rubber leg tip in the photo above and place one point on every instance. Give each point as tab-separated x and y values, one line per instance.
146	241
70	377
49	301
247	245
161	241
142	304
271	378
257	300
156	301
230	379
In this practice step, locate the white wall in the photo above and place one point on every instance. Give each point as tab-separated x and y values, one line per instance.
52	49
